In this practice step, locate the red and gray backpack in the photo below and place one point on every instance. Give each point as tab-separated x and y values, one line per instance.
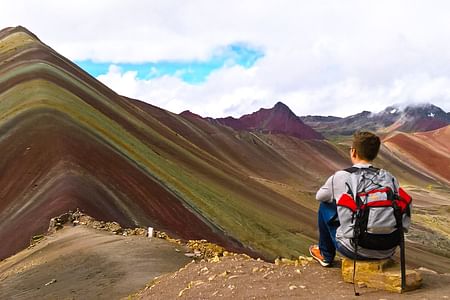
375	211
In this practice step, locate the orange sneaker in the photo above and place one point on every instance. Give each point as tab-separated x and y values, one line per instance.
315	253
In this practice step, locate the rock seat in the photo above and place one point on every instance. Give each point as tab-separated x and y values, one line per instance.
380	274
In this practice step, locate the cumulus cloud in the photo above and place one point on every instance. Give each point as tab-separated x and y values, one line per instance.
236	91
320	57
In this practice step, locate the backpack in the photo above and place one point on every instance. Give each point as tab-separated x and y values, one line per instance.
374	211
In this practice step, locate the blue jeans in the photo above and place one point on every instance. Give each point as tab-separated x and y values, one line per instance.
328	223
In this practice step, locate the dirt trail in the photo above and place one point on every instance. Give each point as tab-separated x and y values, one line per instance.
87	264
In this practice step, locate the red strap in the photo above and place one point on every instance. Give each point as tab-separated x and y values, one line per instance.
347	201
404	196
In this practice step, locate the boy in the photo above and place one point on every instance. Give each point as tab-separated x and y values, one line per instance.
338	234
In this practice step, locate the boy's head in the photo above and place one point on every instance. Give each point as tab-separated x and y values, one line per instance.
365	145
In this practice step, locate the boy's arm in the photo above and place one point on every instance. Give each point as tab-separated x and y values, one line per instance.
325	193
333	188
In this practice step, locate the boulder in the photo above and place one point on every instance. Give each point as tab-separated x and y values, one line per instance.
380	274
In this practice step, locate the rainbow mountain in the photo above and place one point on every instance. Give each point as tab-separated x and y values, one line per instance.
68	141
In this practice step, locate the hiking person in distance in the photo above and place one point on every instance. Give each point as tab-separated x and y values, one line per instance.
363	211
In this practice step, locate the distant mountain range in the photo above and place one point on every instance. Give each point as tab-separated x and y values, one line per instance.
276	120
281	120
412	118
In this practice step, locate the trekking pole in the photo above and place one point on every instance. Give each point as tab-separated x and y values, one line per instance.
354	271
356	240
399	220
402	258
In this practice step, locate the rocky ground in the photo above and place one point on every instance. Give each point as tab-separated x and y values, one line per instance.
240	277
82	258
85	263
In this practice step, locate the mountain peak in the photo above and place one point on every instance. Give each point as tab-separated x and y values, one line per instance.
189	114
18	29
281	106
423	109
278	119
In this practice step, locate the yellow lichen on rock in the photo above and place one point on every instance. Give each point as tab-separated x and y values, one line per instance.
301	261
380	274
205	249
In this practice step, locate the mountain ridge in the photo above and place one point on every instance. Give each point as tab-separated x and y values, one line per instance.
69	92
278	120
411	118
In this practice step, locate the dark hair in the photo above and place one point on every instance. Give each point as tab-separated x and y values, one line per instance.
366	145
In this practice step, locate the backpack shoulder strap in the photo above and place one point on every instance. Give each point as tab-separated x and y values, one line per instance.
354	169
351	170
354	182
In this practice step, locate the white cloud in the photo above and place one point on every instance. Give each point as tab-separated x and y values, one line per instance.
236	91
321	57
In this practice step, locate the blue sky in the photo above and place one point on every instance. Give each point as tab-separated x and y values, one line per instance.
192	72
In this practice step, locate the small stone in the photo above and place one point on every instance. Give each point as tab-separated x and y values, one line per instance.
50	282
225	273
425	270
211	278
215	259
362	285
292	287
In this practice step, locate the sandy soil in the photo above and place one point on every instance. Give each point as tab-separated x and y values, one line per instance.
87	264
242	278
